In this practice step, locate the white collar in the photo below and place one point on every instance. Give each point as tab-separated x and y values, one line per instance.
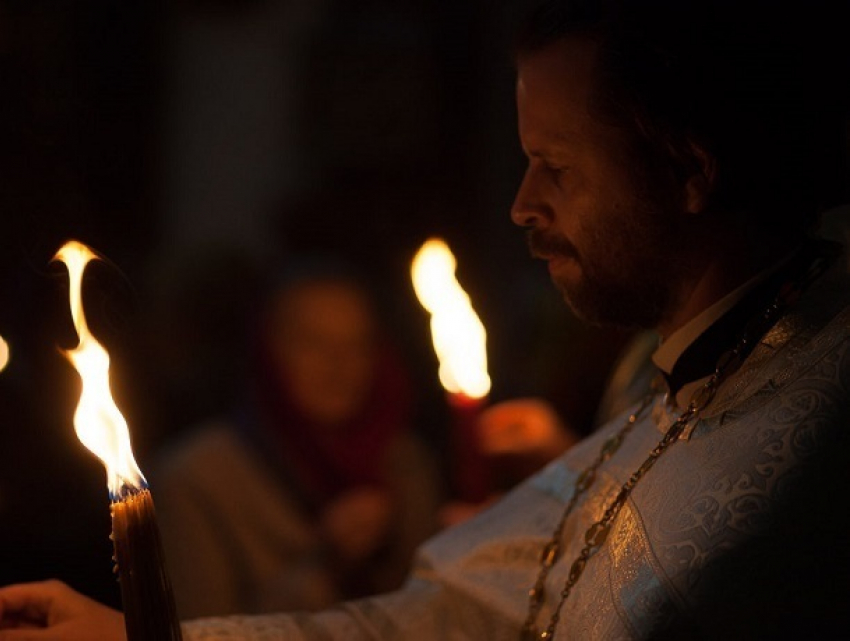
672	348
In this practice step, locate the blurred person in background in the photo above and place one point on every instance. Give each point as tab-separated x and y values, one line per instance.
316	488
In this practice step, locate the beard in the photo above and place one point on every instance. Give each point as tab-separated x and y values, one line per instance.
628	270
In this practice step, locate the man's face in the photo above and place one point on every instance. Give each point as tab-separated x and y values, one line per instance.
607	218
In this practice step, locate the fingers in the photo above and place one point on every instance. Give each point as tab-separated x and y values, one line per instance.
51	611
39	634
31	602
528	427
519	426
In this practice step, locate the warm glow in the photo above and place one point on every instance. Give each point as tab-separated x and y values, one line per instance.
99	424
4	354
457	332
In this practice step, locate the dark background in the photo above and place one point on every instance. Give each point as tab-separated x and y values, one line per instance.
197	144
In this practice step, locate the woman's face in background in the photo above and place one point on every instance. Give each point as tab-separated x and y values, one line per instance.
322	337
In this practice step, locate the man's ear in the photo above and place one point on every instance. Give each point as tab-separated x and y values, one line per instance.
700	184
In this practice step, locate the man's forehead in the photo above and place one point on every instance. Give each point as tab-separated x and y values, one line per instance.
568	62
554	86
549	141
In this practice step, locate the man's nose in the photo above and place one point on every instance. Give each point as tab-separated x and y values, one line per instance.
529	208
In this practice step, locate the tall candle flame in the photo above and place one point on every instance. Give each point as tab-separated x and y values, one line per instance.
457	332
97	421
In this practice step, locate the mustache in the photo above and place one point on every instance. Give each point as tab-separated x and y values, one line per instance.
542	245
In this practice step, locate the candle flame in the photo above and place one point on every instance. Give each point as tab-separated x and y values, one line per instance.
97	421
456	331
4	353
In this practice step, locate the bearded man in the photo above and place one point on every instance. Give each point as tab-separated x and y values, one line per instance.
678	156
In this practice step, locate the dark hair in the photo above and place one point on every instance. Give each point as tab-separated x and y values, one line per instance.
758	87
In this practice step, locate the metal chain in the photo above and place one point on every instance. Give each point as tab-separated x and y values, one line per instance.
597	533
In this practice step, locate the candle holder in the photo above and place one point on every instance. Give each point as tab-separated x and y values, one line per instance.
150	613
473	474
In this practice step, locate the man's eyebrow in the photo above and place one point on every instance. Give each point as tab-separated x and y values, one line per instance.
560	146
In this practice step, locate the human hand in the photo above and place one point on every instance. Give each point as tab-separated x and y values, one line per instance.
52	611
356	523
525	426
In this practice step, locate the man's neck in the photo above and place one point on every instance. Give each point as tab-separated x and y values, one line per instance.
722	270
692	352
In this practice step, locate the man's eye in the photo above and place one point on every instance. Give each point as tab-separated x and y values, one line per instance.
554	166
556	170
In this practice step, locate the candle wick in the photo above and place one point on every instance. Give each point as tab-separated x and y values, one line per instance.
127	490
